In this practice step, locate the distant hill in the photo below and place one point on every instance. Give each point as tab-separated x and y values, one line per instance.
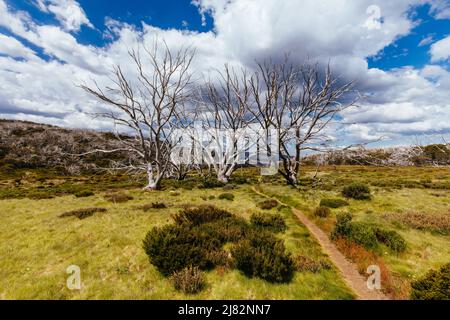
28	145
431	155
31	145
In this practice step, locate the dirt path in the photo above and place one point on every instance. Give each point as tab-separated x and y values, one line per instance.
348	269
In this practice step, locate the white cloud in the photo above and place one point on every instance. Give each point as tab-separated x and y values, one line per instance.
68	12
426	41
400	102
440	50
12	47
440	9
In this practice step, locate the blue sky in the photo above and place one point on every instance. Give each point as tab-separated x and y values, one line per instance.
401	64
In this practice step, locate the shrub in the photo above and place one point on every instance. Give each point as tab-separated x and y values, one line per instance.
226	196
154	205
118	197
342	226
273	222
357	232
230	229
363	234
172	248
220	258
303	263
84	194
211	184
268	204
230	186
190	280
391	239
356	191
366	235
82	213
435	285
333	203
200	214
263	256
322	212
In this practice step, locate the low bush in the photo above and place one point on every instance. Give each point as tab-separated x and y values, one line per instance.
172	248
220	258
435	285
82	213
264	256
333	203
368	236
84	194
230	186
322	212
356	191
190	280
391	239
272	222
154	205
305	264
118	197
211	184
363	234
342	226
230	229
226	196
268	204
200	214
354	231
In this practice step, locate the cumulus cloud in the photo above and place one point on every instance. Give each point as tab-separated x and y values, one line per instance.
399	102
68	12
440	9
440	50
10	46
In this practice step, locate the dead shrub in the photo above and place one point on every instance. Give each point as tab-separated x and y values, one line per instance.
190	280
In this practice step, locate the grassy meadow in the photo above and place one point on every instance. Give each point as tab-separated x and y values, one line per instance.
37	245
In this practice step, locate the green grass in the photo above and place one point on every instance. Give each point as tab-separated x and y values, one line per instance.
36	248
426	250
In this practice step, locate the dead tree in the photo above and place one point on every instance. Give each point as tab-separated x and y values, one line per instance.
223	111
146	106
299	103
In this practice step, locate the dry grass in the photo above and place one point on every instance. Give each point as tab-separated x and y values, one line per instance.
431	222
392	285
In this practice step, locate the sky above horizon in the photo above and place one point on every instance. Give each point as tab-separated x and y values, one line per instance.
398	52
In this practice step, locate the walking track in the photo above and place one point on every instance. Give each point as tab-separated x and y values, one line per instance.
347	269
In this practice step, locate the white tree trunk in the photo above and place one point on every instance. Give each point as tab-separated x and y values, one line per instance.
222	177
